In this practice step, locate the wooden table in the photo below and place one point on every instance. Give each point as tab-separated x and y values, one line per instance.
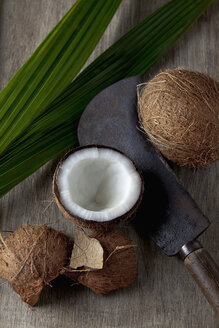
164	295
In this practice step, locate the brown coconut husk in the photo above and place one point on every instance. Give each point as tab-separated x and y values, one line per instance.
179	111
31	257
119	268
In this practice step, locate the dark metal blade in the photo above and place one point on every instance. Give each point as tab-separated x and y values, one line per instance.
168	213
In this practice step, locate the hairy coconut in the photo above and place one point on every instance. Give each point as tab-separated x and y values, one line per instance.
31	257
179	110
97	187
119	267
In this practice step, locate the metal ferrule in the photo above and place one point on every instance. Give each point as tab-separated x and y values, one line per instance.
189	247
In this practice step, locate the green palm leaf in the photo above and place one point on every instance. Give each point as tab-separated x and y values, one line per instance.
52	66
54	130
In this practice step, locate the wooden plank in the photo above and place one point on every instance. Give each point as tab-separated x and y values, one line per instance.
164	295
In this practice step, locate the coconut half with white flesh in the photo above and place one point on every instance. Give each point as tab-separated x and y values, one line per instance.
97	186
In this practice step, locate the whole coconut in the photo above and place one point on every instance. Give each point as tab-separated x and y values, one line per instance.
179	110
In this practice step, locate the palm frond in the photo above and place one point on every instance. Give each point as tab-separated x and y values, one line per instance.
55	129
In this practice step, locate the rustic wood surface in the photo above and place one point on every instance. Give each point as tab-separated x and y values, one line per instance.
164	295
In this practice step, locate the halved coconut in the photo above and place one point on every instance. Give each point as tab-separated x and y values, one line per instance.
97	185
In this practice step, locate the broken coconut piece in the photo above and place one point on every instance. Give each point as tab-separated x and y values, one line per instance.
119	268
31	257
87	252
97	186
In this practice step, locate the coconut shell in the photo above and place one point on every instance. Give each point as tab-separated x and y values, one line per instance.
120	265
179	111
90	224
31	257
87	251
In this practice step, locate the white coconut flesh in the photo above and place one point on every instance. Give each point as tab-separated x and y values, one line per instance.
98	184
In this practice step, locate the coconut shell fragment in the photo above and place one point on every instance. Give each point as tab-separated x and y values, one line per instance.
31	257
119	268
179	111
87	251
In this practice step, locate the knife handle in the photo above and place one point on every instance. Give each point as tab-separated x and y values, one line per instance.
204	271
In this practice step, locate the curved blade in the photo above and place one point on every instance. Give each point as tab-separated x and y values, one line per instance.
168	213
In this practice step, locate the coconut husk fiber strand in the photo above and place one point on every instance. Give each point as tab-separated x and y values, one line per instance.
119	268
31	257
179	111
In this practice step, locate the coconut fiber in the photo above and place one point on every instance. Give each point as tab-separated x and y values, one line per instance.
179	111
31	257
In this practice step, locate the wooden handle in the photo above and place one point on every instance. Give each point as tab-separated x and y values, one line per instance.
206	274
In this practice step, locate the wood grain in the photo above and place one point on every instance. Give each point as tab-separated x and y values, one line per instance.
206	274
164	295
